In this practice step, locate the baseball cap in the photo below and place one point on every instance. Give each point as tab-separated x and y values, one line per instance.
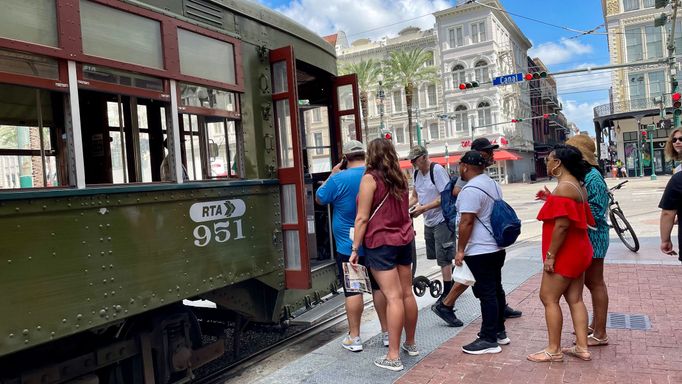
483	144
353	146
417	151
473	158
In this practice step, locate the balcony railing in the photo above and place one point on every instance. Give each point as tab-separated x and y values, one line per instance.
630	106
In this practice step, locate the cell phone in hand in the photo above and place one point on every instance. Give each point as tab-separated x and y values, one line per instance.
344	163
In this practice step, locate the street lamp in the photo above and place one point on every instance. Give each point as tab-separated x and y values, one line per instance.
380	93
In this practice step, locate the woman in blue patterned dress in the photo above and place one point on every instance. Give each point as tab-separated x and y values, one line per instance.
598	198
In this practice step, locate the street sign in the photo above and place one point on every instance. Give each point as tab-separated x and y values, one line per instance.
508	79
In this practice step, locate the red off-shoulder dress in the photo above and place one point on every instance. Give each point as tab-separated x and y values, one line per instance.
575	254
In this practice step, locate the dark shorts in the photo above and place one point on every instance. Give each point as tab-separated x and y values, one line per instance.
341	258
440	244
388	257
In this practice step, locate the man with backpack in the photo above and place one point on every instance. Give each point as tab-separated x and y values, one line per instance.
430	180
444	308
483	234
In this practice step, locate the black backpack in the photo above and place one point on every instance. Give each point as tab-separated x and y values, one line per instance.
433	180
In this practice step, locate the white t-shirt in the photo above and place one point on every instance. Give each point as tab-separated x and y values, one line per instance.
472	200
427	192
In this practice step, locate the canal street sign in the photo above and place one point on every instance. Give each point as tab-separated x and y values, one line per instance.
508	79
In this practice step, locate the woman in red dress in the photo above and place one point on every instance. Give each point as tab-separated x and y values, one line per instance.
567	252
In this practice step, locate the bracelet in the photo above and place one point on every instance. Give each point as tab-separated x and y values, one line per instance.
549	255
353	249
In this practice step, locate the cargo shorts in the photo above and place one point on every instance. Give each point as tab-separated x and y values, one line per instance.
440	244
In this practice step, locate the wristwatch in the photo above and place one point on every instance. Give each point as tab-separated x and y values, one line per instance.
549	255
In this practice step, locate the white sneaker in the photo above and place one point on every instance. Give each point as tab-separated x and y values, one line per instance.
384	338
353	344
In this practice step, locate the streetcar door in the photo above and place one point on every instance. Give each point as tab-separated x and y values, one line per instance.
347	110
290	171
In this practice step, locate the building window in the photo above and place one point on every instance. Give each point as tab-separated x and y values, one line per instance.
456	37
484	114
656	83
433	131
633	42
458	75
481	71
431	95
649	3
318	143
654	42
478	32
630	5
397	101
317	115
461	119
429	62
399	135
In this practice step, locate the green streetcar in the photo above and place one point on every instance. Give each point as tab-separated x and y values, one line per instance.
156	156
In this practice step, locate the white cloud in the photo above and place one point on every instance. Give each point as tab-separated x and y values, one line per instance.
368	18
556	53
584	81
581	113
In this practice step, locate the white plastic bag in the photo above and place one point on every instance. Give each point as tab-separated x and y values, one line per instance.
463	275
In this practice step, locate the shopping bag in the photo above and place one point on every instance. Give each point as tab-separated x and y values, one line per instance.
463	275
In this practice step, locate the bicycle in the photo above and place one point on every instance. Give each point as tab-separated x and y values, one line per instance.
619	223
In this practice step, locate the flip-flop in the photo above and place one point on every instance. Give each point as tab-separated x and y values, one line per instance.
573	351
545	357
592	341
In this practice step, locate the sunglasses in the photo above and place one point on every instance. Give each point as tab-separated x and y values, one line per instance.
676	139
415	160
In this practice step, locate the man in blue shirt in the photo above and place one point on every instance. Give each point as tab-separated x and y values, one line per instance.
341	190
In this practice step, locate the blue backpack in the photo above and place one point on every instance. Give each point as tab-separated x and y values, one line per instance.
506	226
447	205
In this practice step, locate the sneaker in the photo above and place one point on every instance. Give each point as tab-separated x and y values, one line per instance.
410	349
502	338
510	313
480	347
392	365
353	344
384	338
447	315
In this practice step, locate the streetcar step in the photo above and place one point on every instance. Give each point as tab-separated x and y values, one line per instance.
319	312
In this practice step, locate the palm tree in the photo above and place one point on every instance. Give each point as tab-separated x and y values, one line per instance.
407	69
367	72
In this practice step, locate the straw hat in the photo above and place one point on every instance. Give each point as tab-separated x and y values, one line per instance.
586	146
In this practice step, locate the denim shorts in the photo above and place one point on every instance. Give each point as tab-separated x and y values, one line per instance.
387	257
341	258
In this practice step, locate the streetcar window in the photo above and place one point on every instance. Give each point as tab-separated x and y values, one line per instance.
204	97
30	139
128	79
122	36
31	21
318	142
205	57
210	147
28	64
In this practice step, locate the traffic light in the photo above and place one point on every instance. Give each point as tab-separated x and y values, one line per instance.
468	85
548	115
535	75
386	134
677	104
644	134
516	120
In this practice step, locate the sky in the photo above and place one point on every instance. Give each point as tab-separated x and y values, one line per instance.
559	48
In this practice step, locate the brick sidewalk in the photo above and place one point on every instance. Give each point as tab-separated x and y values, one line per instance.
652	356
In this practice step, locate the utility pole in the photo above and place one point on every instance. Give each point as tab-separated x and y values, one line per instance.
671	62
419	129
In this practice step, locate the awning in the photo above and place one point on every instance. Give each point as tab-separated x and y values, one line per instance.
505	155
454	159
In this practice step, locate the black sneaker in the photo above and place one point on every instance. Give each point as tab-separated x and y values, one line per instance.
502	338
447	315
510	313
481	347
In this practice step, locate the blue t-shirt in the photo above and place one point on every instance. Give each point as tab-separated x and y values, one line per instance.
341	191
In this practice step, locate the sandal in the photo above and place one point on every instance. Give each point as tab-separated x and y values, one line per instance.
573	351
590	330
592	341
545	357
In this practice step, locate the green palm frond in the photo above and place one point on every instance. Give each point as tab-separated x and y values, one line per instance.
367	72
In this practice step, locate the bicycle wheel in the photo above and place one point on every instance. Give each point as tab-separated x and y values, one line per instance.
624	230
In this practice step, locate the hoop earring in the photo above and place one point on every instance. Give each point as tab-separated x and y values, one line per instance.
555	175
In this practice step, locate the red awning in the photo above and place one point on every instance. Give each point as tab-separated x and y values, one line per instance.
500	155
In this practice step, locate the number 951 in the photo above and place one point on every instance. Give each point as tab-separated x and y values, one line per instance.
203	234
